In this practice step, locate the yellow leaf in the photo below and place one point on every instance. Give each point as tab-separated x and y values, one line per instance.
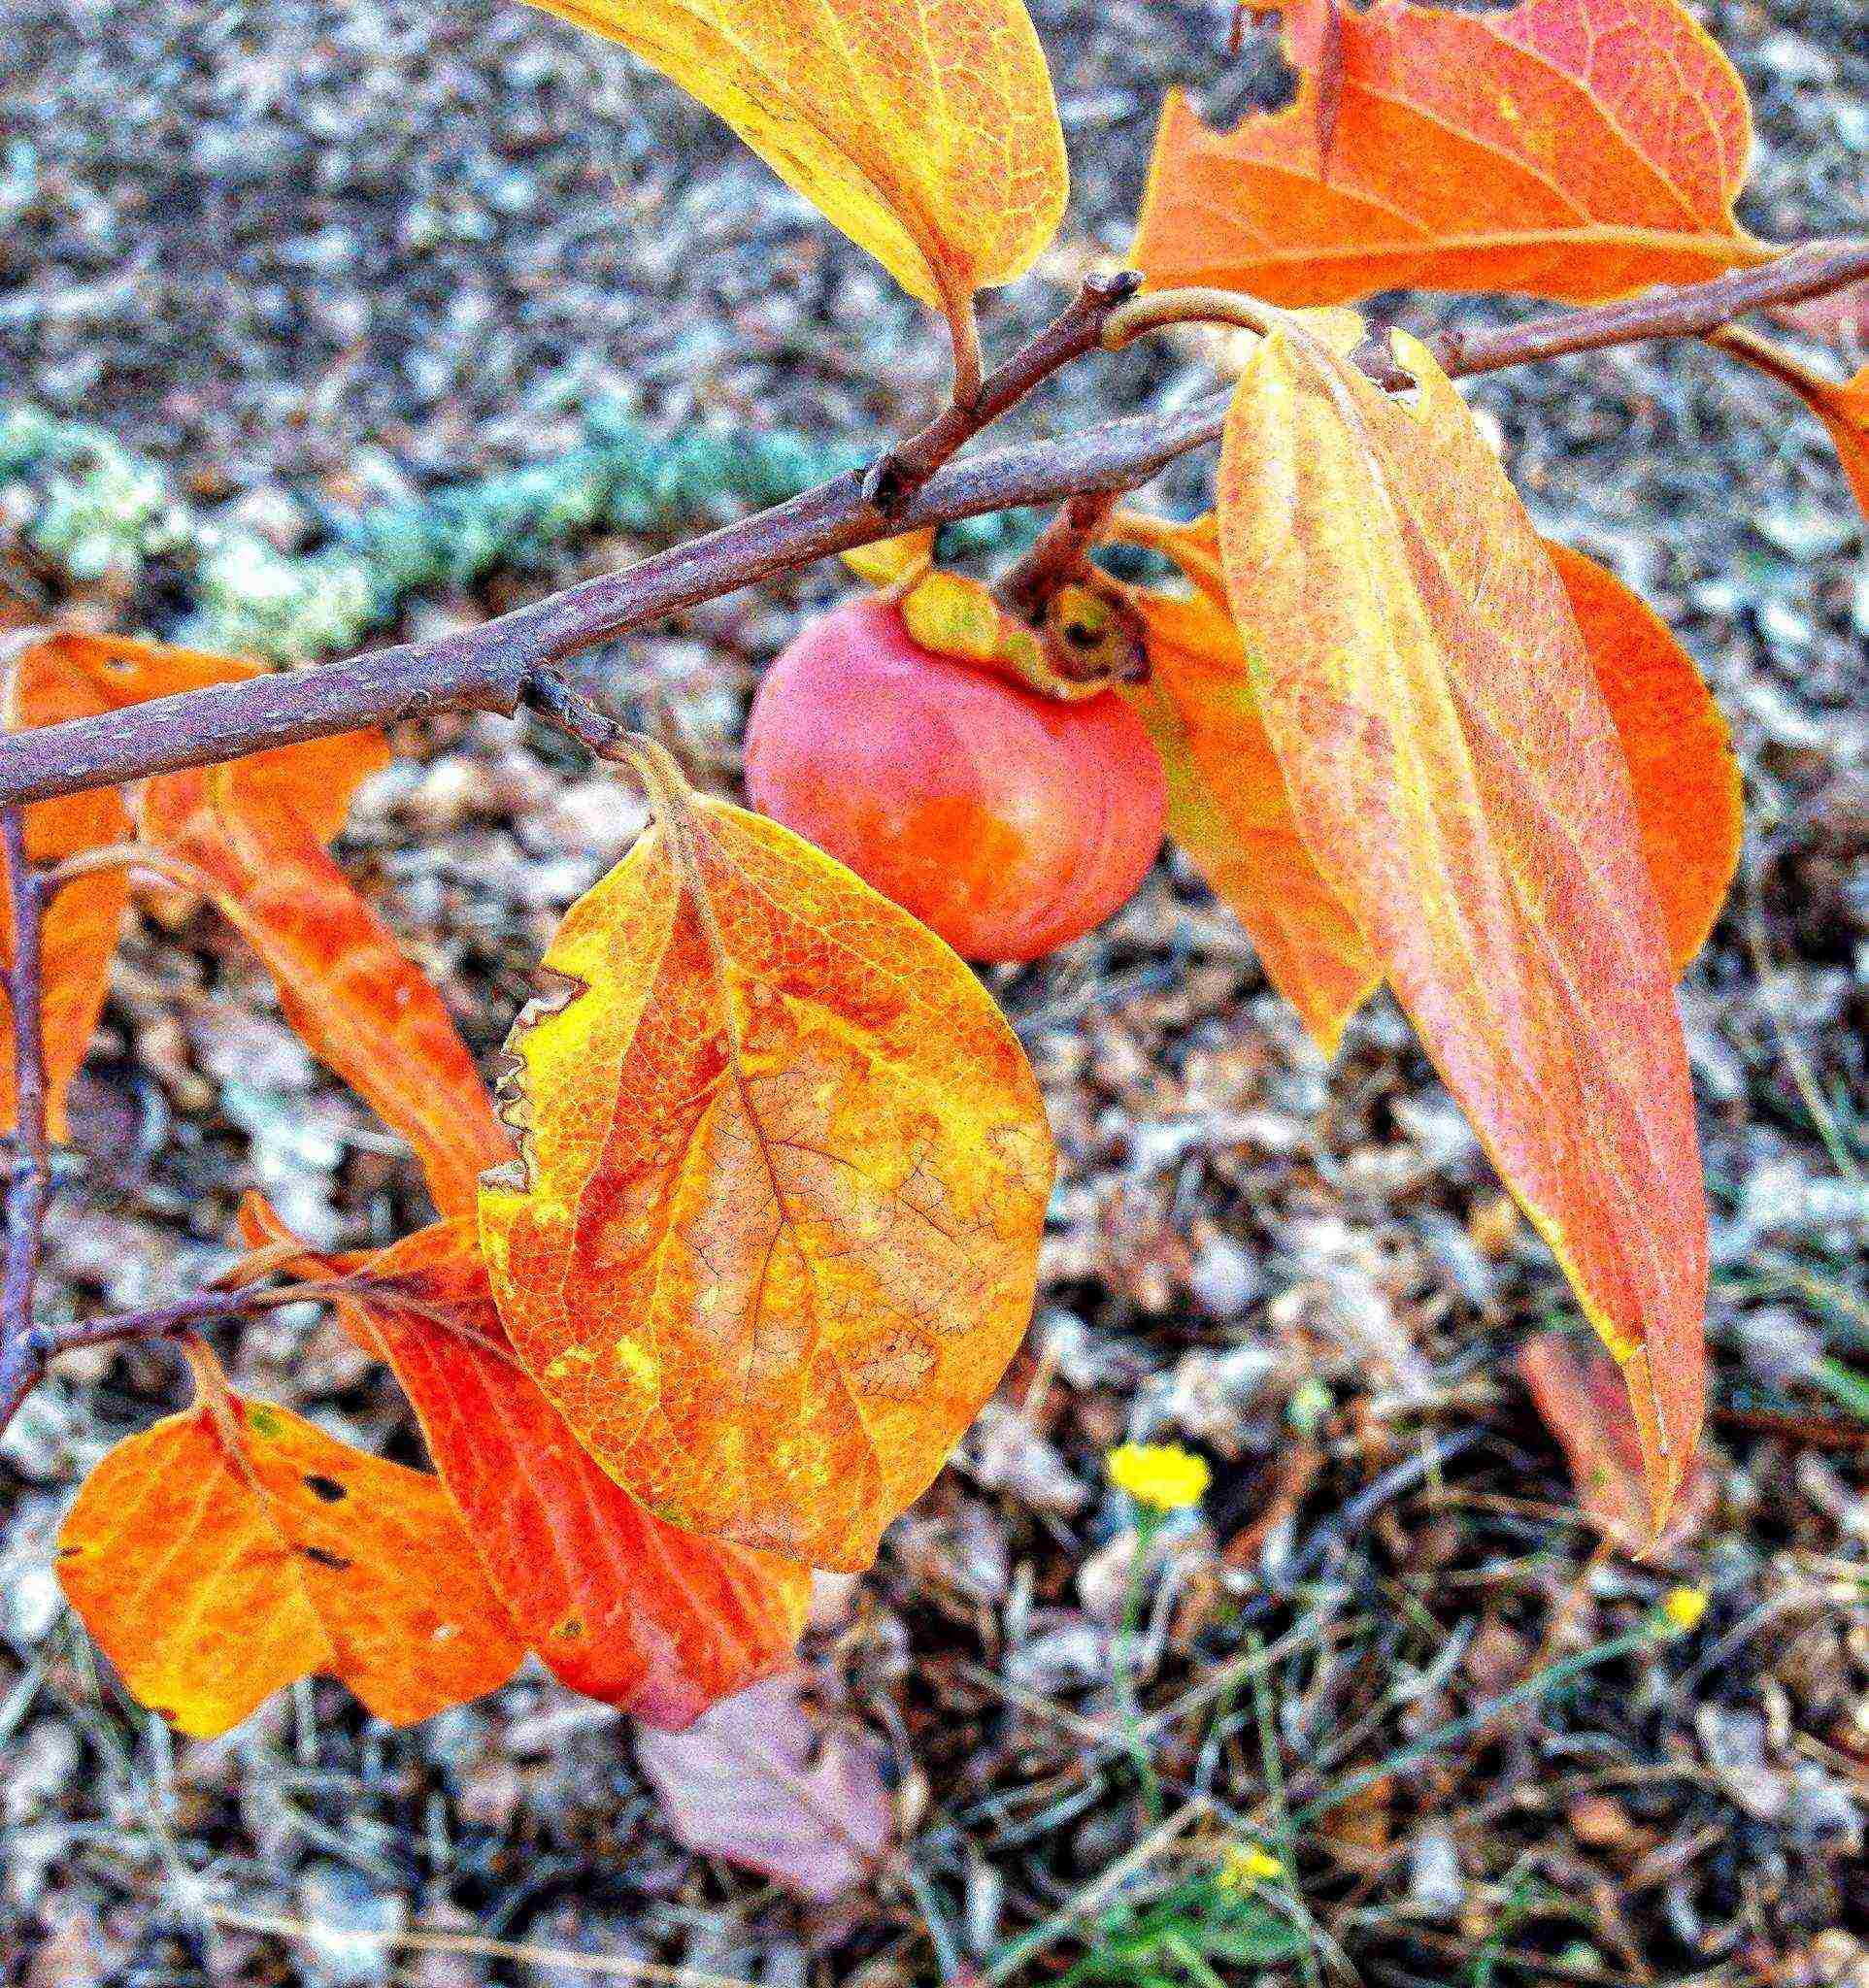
773	1236
925	129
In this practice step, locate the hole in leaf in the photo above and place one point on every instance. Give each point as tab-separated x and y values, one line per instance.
326	1488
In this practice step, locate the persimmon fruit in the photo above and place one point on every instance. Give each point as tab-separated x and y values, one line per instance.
1007	822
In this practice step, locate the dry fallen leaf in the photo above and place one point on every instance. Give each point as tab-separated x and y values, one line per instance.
230	1551
1458	777
759	1782
925	129
774	1233
1574	149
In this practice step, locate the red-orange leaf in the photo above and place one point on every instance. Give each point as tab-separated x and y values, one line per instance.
1456	774
620	1605
69	673
231	1550
79	928
1567	148
1227	805
342	983
1843	409
1689	800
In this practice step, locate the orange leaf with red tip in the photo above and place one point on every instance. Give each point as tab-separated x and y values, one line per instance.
1576	149
342	983
231	1550
1578	1393
774	1233
617	1605
1456	774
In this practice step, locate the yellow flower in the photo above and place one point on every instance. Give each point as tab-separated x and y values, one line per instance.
1163	1475
1682	1607
1245	1867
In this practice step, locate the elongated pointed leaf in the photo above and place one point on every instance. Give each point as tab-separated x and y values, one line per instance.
1456	773
925	129
231	1550
344	983
774	1234
1574	149
1229	808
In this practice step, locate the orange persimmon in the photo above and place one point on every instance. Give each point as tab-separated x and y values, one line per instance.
1006	822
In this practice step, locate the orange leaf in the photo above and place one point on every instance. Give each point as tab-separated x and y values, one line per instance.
774	1234
1843	410
1689	800
343	985
1576	149
1228	806
620	1605
79	929
1456	774
925	129
1580	1396
231	1550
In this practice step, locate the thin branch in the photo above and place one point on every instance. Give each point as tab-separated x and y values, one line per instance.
489	668
1060	554
40	1344
1813	269
29	1181
902	470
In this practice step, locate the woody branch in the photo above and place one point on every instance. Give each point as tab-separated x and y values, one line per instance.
492	667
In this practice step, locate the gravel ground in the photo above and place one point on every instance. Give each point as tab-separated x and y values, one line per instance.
299	251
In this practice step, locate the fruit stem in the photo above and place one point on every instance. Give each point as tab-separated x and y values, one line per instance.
1195	305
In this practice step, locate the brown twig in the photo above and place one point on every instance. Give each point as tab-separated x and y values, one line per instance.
489	668
29	1181
902	470
1060	554
40	1344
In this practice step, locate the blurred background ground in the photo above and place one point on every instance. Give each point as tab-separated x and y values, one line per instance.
307	255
